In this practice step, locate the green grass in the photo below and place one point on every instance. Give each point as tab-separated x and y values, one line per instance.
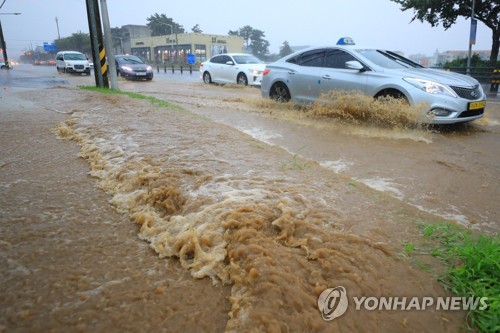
472	269
153	100
294	163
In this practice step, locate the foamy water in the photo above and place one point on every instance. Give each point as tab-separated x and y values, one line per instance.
337	166
384	185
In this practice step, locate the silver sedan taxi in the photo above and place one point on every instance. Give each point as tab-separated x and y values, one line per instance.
303	76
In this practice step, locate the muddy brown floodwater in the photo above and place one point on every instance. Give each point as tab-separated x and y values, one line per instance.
120	215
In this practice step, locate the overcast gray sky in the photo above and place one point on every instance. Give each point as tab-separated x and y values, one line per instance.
378	23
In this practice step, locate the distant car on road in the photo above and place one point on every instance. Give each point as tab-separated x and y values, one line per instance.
133	67
244	69
303	76
4	66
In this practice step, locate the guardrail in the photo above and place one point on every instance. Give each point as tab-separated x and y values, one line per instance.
485	75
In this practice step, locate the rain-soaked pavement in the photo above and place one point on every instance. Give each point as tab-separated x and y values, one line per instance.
250	211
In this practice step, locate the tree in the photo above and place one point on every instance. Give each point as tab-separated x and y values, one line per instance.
245	33
447	11
77	42
160	25
285	50
253	39
258	45
462	63
197	29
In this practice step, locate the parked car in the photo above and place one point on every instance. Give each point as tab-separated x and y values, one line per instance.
72	62
244	69
133	67
303	76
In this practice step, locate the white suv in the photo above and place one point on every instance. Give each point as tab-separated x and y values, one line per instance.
72	62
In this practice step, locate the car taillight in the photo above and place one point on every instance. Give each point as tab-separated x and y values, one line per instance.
266	71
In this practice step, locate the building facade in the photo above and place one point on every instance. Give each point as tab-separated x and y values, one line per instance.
176	48
132	32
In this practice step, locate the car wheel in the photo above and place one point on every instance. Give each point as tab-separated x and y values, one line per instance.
207	78
280	93
242	79
392	93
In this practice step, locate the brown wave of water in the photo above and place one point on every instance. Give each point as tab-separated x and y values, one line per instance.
219	202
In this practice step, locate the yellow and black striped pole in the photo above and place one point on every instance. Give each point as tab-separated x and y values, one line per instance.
104	65
495	80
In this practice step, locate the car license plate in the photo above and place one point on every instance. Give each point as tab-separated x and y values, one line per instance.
140	73
477	105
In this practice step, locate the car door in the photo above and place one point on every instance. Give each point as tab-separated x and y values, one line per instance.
304	76
228	72
336	76
215	68
59	60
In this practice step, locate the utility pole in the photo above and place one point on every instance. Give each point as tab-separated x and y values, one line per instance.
57	24
472	37
108	42
96	40
2	42
4	47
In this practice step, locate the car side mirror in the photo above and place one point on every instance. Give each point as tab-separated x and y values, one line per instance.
356	65
229	63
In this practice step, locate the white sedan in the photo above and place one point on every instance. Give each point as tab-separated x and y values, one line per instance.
240	68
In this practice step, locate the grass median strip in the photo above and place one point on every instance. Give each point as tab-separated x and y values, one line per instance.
472	264
154	100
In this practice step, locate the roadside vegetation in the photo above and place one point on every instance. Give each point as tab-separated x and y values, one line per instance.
472	268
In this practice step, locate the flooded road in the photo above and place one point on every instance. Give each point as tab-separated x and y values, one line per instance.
435	169
29	77
249	211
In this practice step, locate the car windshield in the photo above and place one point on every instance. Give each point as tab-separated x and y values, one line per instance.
246	59
74	56
130	60
388	59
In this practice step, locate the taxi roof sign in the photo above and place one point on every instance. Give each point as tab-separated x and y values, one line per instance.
346	41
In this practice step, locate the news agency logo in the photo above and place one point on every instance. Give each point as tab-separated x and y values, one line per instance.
333	302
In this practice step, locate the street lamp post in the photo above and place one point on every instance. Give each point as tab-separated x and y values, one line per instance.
2	42
176	40
121	43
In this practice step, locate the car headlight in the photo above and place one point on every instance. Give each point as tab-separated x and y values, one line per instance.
126	68
430	87
149	69
256	72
